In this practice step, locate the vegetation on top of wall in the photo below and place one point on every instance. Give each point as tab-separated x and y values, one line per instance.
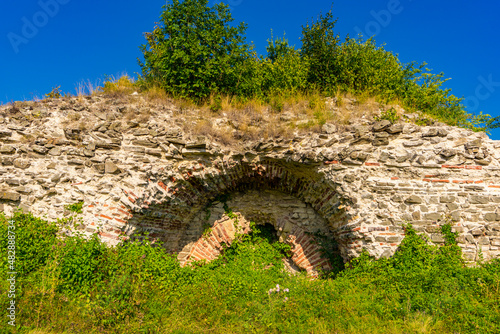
196	53
76	284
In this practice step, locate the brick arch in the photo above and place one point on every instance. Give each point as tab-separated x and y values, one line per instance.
305	249
174	197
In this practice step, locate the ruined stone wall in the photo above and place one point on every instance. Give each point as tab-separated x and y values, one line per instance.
358	184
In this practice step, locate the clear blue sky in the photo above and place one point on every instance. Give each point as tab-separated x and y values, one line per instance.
85	40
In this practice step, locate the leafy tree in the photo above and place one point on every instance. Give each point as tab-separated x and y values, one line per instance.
284	71
195	51
319	46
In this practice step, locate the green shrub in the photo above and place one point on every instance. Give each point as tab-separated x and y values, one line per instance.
138	287
284	71
196	52
55	93
82	263
75	207
34	241
389	115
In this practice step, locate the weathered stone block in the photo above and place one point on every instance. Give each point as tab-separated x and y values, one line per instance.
56	151
447	199
10	196
413	199
21	163
381	125
477	199
111	168
491	216
7	149
437	238
433	216
395	128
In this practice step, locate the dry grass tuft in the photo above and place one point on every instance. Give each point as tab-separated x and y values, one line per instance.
114	88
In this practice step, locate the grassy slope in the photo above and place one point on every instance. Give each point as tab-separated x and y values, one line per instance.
81	286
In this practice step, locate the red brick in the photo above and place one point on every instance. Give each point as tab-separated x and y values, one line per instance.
105	217
441	181
453	167
494	186
374	164
107	235
474	167
394	178
331	162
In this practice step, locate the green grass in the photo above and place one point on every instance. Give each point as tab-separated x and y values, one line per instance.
73	285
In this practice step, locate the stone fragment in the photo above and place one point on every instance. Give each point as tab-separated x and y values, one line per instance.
7	149
39	149
175	140
74	134
483	162
51	192
198	144
380	141
136	149
447	153
447	199
381	125
437	238
413	143
56	151
76	162
360	130
153	151
99	168
329	128
12	182
111	168
413	199
442	132
349	178
88	153
433	216
141	132
483	241
477	199
473	144
21	163
7	161
108	145
10	196
395	128
491	216
432	132
56	177
144	142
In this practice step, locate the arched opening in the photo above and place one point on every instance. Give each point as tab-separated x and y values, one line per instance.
293	222
185	211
